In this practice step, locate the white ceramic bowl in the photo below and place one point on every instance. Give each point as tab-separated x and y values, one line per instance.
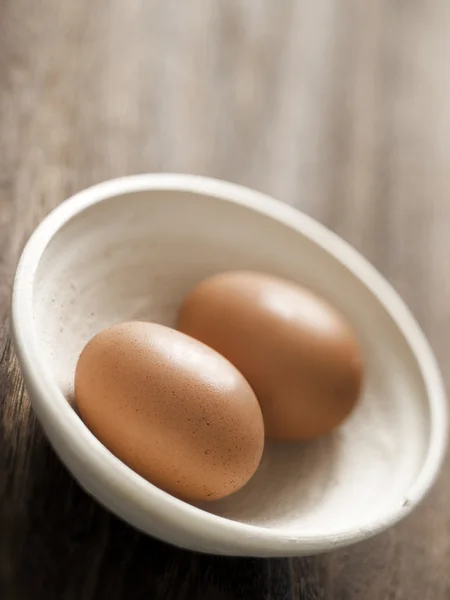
130	249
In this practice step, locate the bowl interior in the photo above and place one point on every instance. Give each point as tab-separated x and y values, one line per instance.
134	256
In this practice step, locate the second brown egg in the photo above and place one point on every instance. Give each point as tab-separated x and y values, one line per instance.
298	353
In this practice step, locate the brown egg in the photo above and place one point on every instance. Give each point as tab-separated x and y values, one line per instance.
171	408
296	351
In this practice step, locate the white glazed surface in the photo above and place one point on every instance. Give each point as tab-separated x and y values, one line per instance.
131	249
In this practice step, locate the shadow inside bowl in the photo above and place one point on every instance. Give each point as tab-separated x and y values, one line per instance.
293	477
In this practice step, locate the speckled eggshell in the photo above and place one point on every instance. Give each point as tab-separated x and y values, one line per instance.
171	408
298	353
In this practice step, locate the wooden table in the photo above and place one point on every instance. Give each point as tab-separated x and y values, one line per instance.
339	107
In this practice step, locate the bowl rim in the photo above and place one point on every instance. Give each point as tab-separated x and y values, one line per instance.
210	530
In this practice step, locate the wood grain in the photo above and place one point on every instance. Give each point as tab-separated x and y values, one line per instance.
341	108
